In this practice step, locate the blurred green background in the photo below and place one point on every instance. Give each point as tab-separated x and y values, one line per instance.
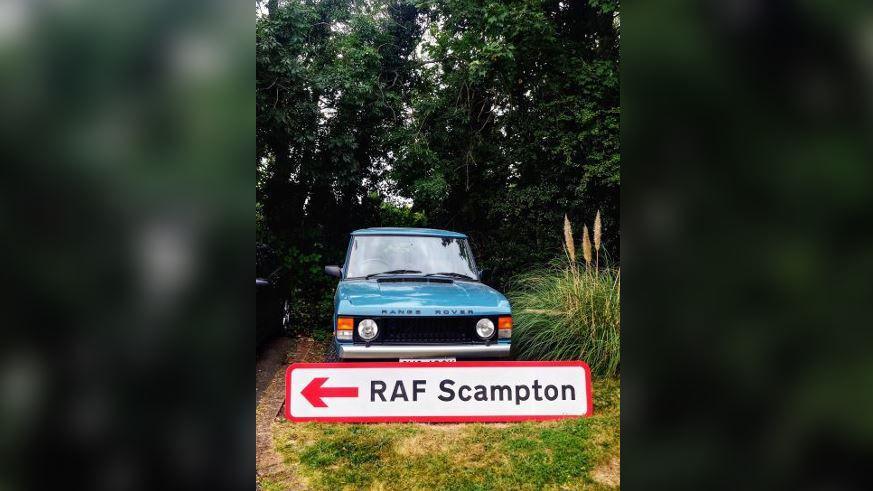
127	131
746	244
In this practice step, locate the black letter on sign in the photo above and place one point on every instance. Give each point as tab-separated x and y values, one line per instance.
536	388
551	392
461	393
445	387
399	391
481	393
501	390
518	398
564	392
416	389
377	387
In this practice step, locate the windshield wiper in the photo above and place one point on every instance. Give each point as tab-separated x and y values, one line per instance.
453	274
393	271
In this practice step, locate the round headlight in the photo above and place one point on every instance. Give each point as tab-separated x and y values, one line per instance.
484	328
368	329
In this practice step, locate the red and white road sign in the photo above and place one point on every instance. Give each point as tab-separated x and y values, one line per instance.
438	391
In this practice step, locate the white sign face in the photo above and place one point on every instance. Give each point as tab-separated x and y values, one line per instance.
437	391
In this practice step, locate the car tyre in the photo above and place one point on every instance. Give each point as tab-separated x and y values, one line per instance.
330	354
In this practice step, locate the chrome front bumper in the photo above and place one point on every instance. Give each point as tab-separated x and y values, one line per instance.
359	351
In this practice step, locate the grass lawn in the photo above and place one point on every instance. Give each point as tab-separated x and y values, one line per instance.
565	454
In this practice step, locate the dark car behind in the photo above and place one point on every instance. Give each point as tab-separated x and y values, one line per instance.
272	294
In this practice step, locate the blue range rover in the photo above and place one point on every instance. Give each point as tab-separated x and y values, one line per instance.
416	293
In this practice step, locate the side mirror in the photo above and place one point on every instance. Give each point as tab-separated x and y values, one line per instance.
333	271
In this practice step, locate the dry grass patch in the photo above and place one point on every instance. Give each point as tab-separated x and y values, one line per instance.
608	473
429	439
566	454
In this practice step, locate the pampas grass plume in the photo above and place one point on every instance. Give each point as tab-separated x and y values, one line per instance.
586	245
568	240
597	230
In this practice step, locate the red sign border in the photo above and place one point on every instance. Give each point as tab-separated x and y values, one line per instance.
436	419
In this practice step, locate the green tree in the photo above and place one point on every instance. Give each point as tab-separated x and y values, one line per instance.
494	118
515	125
332	81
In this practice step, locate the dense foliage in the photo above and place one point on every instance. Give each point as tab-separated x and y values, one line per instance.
490	118
572	309
565	313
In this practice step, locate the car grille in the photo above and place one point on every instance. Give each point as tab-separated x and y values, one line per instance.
427	330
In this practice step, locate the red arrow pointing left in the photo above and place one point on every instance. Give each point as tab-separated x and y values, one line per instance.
315	390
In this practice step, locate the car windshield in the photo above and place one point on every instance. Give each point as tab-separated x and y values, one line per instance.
373	254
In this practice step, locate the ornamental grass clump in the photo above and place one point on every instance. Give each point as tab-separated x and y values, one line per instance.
570	311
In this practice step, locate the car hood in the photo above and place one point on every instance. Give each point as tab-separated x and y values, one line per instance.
371	297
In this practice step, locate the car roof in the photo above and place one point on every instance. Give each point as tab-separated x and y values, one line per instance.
428	232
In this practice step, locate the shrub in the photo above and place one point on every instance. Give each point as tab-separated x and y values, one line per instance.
571	309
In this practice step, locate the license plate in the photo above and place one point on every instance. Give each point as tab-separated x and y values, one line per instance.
422	360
